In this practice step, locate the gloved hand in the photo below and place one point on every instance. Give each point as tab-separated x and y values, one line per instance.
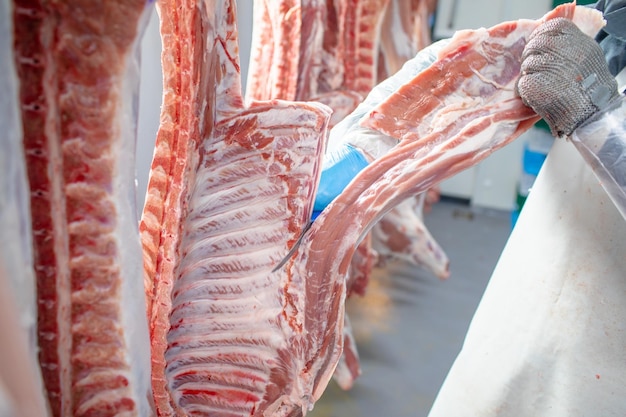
564	76
339	168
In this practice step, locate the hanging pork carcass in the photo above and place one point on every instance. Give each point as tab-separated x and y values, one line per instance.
77	65
236	328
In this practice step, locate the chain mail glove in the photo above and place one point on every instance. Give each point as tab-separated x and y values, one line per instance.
564	76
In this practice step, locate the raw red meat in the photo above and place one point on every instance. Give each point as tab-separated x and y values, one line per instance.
286	49
342	102
21	385
361	41
363	262
78	84
185	120
413	165
480	68
231	191
352	39
341	35
434	145
315	50
349	53
405	31
401	234
229	336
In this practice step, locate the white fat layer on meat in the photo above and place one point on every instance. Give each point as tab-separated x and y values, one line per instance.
230	279
469	94
472	148
251	350
474	91
21	386
343	374
374	143
228	89
589	23
312	16
264	308
227	306
333	70
402	41
235	243
200	320
58	211
132	303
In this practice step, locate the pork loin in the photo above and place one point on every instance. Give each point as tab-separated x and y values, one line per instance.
78	70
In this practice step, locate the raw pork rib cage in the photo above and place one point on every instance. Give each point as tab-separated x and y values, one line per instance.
231	190
329	52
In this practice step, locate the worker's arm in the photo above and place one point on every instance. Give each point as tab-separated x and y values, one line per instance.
566	80
602	144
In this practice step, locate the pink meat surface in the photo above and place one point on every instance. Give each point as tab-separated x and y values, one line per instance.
404	32
401	234
229	336
343	102
274	55
185	120
21	384
330	77
75	61
286	49
332	60
464	109
350	45
231	320
349	367
363	262
480	69
354	34
312	30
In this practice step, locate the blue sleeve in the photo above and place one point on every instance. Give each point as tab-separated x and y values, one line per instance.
338	169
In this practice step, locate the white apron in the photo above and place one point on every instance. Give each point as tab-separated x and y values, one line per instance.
549	336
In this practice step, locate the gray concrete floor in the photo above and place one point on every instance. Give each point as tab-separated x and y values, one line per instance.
410	326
